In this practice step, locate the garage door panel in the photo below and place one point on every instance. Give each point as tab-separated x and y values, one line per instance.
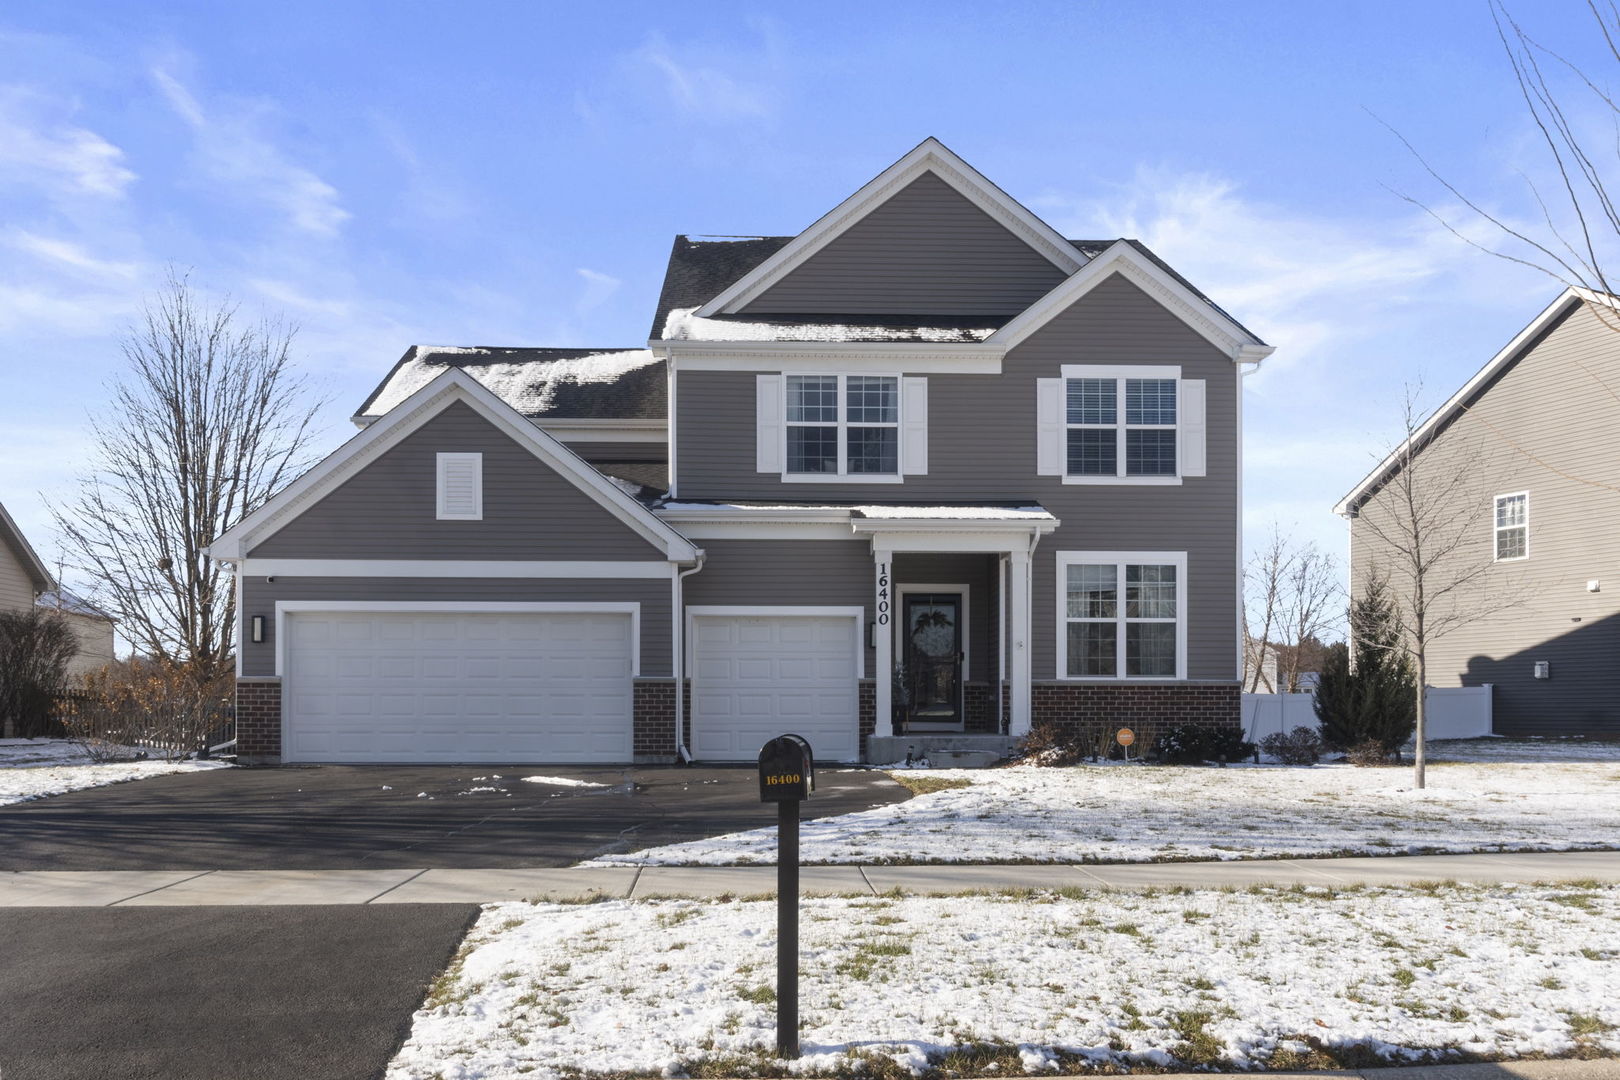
397	686
755	677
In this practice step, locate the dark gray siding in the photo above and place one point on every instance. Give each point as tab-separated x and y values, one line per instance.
620	451
978	573
926	251
387	510
1554	406
259	598
981	431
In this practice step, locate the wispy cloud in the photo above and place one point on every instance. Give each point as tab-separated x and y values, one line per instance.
598	287
67	254
702	89
234	152
53	154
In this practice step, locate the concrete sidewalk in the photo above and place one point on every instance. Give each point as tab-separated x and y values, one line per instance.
145	888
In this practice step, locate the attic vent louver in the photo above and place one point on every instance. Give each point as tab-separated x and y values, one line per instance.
461	487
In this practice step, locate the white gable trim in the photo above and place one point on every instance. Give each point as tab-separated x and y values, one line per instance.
389	430
1125	260
930	155
1509	353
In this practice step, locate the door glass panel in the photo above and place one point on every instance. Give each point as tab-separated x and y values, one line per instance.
934	655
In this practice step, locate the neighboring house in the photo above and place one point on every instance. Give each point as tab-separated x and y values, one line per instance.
91	626
22	575
927	464
1537	428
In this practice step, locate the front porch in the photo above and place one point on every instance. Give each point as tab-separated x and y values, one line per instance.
950	633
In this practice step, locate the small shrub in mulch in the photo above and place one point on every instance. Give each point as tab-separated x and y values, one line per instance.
1302	746
1194	744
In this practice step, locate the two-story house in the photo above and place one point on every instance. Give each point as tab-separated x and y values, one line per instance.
1527	453
925	465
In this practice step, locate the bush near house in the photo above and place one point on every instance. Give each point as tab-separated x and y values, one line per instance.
36	646
1194	744
1302	746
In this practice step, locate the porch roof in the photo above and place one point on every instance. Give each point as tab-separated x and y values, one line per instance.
989	527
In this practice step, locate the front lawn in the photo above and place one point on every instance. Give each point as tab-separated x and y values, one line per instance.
36	768
998	985
1147	813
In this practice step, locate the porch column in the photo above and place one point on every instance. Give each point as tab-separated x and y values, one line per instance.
1018	719
883	616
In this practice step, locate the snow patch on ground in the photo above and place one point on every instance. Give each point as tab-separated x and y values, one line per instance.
1276	978
561	781
1119	813
37	768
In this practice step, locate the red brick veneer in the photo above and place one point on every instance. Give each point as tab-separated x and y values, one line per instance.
653	719
1161	704
258	720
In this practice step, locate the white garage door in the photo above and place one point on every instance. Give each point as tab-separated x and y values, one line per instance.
757	677
454	687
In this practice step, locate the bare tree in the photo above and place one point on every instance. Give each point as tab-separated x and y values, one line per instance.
1263	584
1291	596
208	421
1313	601
1427	522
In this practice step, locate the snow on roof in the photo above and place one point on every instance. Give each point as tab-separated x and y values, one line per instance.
684	324
62	600
528	386
955	513
699	507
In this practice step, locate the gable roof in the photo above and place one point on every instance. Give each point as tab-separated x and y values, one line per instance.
1510	354
551	384
31	563
373	441
929	156
60	599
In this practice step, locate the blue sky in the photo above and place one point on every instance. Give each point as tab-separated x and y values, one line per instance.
511	174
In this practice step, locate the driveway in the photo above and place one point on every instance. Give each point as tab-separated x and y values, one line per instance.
262	993
333	817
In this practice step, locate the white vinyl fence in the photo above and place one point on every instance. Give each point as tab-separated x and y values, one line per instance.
1456	713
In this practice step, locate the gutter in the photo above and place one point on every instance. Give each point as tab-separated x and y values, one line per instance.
677	636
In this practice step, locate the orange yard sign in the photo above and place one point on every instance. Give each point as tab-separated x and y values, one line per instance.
1125	736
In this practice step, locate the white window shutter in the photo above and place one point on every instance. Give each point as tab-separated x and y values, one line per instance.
914	426
1192	424
461	487
769	434
1049	448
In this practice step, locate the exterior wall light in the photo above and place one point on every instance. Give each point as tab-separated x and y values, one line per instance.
257	631
1543	669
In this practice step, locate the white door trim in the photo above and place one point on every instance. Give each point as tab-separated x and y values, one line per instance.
963	629
461	607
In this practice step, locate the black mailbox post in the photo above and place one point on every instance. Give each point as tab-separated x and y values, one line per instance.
787	776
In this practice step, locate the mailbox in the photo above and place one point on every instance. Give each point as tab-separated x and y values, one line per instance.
787	771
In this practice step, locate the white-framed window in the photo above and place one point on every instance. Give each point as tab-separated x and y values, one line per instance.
460	487
1121	424
1511	527
842	425
1122	615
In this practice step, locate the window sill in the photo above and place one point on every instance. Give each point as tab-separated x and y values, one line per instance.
834	478
1125	481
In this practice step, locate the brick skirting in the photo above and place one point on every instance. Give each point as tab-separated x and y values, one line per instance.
1083	705
653	720
258	720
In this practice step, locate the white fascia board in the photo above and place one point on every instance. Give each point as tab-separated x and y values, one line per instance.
816	357
1123	259
370	443
1510	352
601	431
766	530
454	568
930	155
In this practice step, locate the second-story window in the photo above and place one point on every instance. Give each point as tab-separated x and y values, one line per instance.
1512	528
843	425
1100	444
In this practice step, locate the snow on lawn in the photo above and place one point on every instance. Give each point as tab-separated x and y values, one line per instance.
1127	813
35	768
1275	978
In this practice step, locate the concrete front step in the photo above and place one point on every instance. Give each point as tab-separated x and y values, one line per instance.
150	888
947	750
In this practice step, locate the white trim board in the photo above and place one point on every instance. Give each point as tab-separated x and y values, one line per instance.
376	439
698	611
453	568
930	155
1510	353
285	608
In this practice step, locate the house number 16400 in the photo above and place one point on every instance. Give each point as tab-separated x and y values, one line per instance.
883	594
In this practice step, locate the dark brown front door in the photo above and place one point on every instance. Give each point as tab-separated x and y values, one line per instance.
933	656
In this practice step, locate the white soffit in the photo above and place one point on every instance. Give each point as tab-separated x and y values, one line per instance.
930	155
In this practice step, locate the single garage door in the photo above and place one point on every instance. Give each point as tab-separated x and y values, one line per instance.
756	677
457	687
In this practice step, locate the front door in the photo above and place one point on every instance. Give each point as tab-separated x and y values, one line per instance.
933	657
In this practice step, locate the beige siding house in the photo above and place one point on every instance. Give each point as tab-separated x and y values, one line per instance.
22	575
1536	435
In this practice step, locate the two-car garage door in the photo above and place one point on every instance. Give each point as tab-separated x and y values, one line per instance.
403	686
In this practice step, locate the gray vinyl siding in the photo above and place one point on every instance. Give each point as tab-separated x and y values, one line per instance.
978	573
1554	405
388	509
620	451
926	251
982	446
259	597
16	587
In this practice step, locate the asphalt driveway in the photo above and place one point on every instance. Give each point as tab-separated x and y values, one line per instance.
285	993
333	817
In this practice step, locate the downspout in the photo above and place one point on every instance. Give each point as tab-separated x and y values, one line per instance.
677	636
1001	642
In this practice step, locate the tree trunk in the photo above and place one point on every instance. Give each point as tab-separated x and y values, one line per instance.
1420	735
